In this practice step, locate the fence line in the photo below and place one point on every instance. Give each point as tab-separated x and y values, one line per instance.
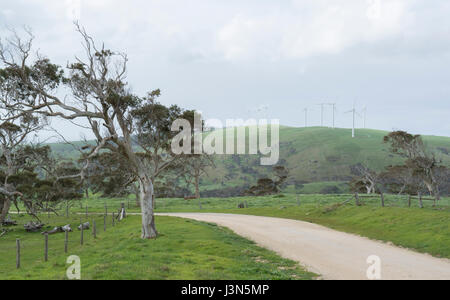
20	247
17	253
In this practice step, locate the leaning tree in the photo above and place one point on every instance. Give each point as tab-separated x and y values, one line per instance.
421	163
364	179
98	93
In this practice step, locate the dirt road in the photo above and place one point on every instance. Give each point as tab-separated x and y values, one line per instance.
330	253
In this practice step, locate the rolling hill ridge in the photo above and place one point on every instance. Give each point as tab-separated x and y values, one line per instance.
316	157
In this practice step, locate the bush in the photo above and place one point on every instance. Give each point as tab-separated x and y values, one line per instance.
330	190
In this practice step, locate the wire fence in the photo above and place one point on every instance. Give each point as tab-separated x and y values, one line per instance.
22	249
300	200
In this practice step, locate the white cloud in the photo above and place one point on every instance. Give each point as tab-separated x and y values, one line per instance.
309	28
219	56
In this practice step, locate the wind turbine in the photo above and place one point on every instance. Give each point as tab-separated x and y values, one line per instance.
334	111
306	116
353	111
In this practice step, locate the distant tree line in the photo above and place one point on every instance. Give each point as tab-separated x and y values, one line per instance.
421	172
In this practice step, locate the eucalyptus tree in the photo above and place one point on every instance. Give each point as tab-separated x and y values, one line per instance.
94	89
16	130
364	178
192	167
419	160
110	175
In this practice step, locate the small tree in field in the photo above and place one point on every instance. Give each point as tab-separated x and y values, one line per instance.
365	179
401	179
269	186
192	167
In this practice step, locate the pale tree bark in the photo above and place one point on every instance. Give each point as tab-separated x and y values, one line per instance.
147	199
136	191
420	200
5	209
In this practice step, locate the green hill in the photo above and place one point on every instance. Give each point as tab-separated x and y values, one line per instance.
316	157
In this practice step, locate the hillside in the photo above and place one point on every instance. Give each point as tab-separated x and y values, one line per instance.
316	157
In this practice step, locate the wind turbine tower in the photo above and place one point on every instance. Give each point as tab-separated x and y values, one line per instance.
334	114
306	116
353	111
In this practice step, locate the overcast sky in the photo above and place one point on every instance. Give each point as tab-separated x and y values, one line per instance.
229	58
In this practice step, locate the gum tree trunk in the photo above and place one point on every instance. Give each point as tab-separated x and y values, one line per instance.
2	204
4	209
136	191
420	200
148	217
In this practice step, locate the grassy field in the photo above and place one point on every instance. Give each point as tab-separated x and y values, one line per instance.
192	250
425	230
185	250
97	204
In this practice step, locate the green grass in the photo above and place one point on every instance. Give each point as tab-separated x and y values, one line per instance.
317	187
192	250
426	230
185	250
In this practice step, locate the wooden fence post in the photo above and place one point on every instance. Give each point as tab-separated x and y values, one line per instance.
17	253
123	213
87	213
106	209
46	247
94	229
357	199
82	237
409	200
104	223
67	209
66	242
113	219
382	199
420	200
